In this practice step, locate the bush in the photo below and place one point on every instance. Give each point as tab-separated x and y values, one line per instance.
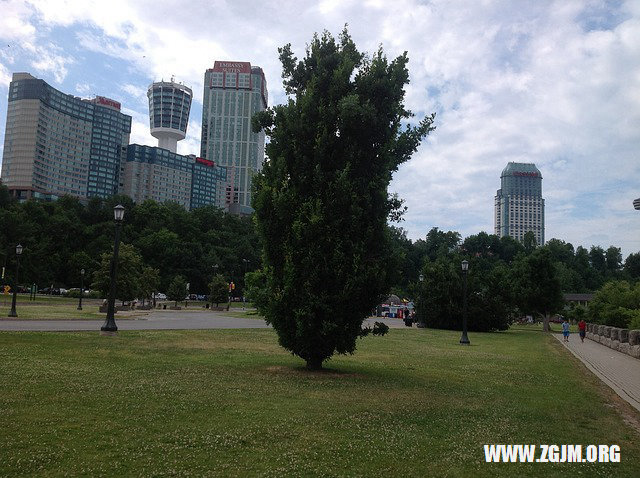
634	323
617	304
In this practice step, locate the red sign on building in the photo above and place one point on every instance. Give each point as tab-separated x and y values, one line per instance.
101	100
206	162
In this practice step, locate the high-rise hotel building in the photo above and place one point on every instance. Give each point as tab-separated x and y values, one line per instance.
162	175
233	92
519	206
57	144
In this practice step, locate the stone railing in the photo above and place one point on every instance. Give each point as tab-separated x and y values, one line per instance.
623	340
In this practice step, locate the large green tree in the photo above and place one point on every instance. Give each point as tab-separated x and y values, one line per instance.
149	282
439	296
218	290
536	285
177	290
321	200
632	266
128	275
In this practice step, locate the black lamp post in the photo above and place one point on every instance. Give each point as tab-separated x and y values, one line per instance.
244	280
13	312
110	326
636	204
81	288
421	323
464	340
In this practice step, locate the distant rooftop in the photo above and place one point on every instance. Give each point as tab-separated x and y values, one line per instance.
528	168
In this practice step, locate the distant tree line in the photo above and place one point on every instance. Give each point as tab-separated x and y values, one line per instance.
60	238
506	278
579	270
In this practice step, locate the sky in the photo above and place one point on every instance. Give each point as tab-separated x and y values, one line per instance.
555	83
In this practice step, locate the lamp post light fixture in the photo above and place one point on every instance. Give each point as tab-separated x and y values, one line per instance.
636	204
110	327
13	312
464	340
81	289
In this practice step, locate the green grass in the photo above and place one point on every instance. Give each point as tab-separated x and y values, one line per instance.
54	309
58	308
233	403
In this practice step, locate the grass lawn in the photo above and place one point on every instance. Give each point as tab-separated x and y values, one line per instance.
62	308
233	403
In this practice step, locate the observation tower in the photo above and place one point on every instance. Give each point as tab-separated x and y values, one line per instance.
169	106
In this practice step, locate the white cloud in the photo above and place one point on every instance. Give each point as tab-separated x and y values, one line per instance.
83	88
551	82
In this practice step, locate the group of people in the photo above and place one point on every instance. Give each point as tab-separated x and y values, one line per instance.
582	329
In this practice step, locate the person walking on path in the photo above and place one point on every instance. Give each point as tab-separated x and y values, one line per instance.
582	329
565	330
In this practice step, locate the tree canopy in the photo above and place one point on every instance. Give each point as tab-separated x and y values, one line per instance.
64	236
321	200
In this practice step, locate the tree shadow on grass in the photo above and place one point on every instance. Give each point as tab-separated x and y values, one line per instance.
302	371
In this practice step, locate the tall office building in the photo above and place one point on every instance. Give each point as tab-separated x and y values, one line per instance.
233	93
58	144
519	206
169	107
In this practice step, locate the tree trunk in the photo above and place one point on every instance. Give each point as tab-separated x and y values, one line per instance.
314	363
545	323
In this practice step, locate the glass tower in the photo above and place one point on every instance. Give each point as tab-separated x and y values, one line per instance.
519	206
233	93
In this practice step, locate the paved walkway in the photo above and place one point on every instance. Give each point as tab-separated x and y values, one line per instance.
157	320
620	371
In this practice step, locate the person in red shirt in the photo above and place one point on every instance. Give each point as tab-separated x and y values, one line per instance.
582	328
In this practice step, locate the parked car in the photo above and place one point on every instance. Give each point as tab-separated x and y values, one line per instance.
160	296
50	291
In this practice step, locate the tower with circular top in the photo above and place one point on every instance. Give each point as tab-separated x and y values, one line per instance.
169	107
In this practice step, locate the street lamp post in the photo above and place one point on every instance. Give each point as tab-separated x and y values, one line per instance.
244	280
636	204
81	289
110	327
421	323
13	312
464	340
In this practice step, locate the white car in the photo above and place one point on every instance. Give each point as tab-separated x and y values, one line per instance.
160	296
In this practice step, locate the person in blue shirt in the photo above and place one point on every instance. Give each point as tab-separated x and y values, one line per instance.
565	329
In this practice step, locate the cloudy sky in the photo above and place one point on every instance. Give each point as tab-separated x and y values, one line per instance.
556	83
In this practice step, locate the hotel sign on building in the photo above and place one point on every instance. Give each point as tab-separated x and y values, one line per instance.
101	100
232	67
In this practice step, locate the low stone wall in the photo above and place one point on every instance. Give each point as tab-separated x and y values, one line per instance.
623	340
